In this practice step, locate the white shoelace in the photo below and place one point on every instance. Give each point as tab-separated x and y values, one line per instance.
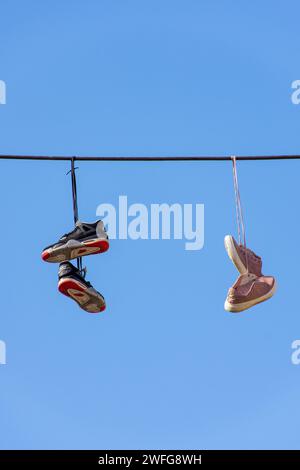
239	211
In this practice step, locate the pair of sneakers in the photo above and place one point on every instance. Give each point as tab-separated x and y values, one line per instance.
86	239
251	287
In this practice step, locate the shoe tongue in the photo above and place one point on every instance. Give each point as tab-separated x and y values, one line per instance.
67	266
65	236
82	225
250	252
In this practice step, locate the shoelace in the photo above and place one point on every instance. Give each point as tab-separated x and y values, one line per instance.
239	211
81	269
83	272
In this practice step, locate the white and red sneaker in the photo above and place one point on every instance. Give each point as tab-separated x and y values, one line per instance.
85	239
72	284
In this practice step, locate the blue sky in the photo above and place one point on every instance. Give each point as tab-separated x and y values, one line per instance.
165	366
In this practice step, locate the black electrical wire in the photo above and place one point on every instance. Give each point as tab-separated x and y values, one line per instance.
148	159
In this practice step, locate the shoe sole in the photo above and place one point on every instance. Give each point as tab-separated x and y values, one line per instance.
87	300
245	305
233	254
74	249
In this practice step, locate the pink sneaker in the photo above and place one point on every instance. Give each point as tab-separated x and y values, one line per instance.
249	290
237	254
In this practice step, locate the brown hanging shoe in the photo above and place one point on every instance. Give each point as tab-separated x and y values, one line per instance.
249	290
239	255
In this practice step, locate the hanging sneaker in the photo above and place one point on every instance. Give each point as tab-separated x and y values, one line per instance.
249	290
85	239
237	254
73	284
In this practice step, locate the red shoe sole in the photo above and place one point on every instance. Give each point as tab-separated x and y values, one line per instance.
45	255
93	247
102	246
78	290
